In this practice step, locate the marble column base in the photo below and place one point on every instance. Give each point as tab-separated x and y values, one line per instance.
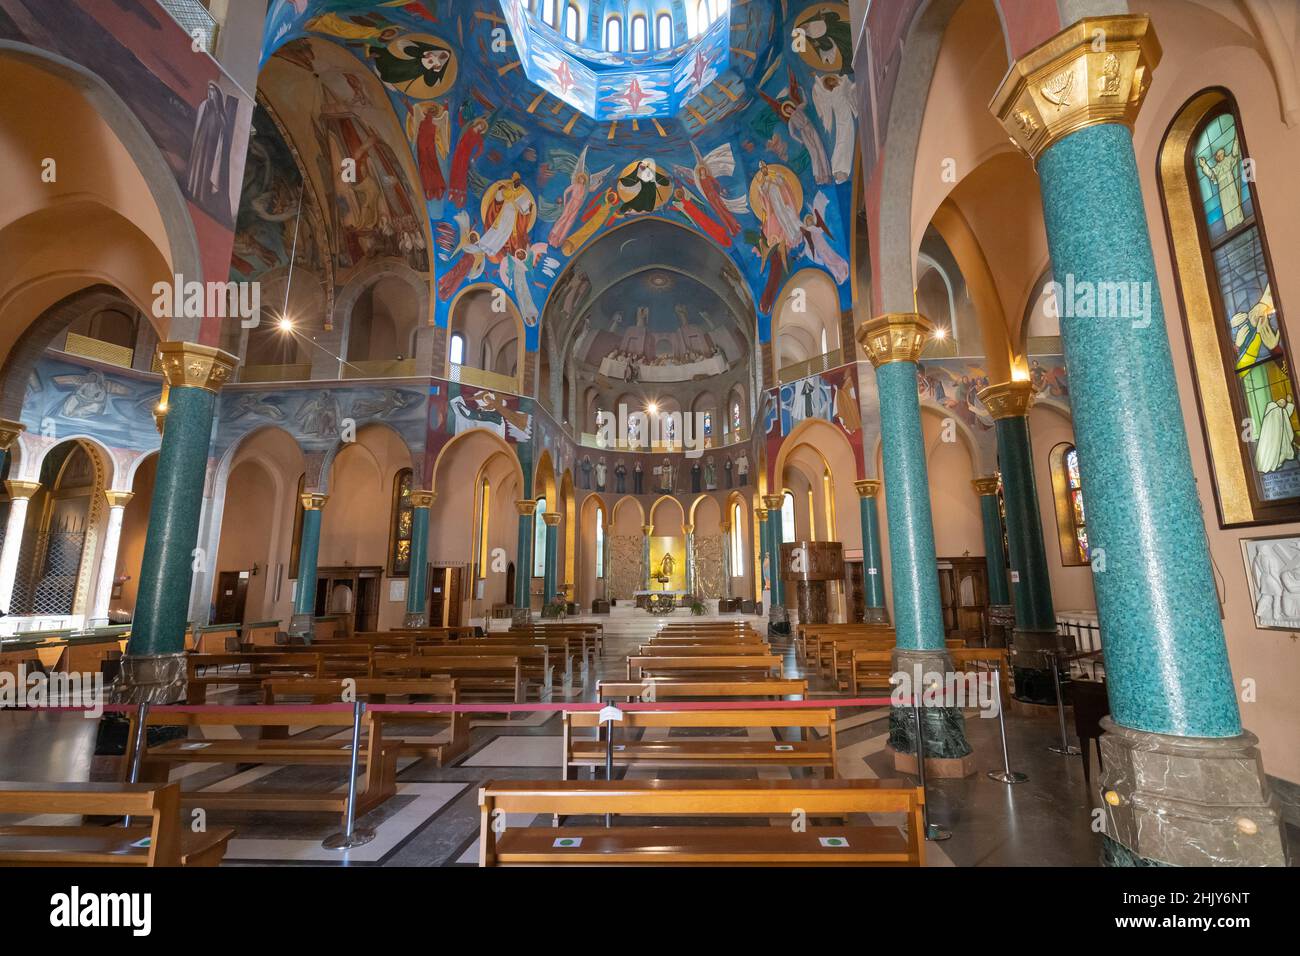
947	752
1031	664
415	619
300	628
1002	622
1188	801
875	615
150	678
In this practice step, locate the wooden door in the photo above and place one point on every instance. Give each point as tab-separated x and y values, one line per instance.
454	578
232	595
437	597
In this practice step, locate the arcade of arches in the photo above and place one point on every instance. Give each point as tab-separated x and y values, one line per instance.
949	324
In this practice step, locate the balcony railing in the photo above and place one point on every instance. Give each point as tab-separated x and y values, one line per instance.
105	352
481	378
274	373
818	363
194	17
589	440
380	368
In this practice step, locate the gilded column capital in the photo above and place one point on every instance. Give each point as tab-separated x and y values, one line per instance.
526	508
773	502
1008	399
1095	71
647	529
22	489
894	337
552	518
9	432
423	499
760	513
313	500
867	487
688	529
189	365
118	499
986	484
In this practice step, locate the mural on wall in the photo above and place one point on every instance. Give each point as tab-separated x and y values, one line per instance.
64	398
318	418
517	178
828	396
954	384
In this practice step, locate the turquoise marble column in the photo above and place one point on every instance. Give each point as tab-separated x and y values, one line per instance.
550	577
778	617
995	555
894	342
1182	783
688	530
153	668
304	598
764	556
524	562
873	572
1031	588
417	583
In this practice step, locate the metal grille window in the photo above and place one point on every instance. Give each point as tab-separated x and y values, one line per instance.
48	566
193	15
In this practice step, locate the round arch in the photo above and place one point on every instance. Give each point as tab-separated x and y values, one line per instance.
490	337
479	435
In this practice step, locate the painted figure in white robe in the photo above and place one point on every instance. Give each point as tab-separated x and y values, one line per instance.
836	101
817	241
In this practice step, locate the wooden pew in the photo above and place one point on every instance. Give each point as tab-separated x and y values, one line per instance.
534	659
597	630
205	670
375	785
664	688
701	650
820	844
483	676
809	636
163	841
378	691
700	752
730	665
719	638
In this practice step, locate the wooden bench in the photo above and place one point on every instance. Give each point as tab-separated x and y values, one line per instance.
205	670
376	785
662	688
807	645
814	845
701	650
702	752
484	676
163	841
733	665
597	631
378	691
684	638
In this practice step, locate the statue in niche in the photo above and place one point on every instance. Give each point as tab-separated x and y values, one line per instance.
666	566
600	473
695	477
585	468
637	478
666	477
710	475
742	469
726	471
620	477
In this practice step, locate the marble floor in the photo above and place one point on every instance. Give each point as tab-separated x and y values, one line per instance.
433	820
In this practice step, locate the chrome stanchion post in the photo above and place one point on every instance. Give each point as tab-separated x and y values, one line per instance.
352	835
1006	774
1066	749
933	831
137	747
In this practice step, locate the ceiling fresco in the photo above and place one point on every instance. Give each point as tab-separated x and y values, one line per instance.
515	181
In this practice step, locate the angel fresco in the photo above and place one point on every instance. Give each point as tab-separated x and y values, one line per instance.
419	65
470	144
91	395
776	196
564	214
719	164
428	125
817	241
835	99
792	109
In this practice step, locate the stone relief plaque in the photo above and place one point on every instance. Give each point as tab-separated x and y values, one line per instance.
1273	575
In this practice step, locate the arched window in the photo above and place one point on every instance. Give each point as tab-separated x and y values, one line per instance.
640	31
571	18
664	31
1229	297
708	424
703	16
456	353
1067	489
484	495
737	540
548	12
787	517
539	539
735	414
600	543
614	35
399	536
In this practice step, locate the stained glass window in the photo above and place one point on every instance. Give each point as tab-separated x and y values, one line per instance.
1250	325
735	415
737	541
708	424
787	517
484	498
600	544
1075	490
399	557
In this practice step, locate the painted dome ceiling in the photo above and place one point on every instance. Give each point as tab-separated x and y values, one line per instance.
432	101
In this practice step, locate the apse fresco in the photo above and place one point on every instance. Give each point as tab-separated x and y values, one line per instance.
517	178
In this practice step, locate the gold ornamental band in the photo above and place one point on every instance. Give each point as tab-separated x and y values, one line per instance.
423	499
986	484
552	518
1008	399
867	487
526	508
313	501
895	337
189	365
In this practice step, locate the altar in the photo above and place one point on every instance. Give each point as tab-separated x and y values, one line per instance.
658	602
